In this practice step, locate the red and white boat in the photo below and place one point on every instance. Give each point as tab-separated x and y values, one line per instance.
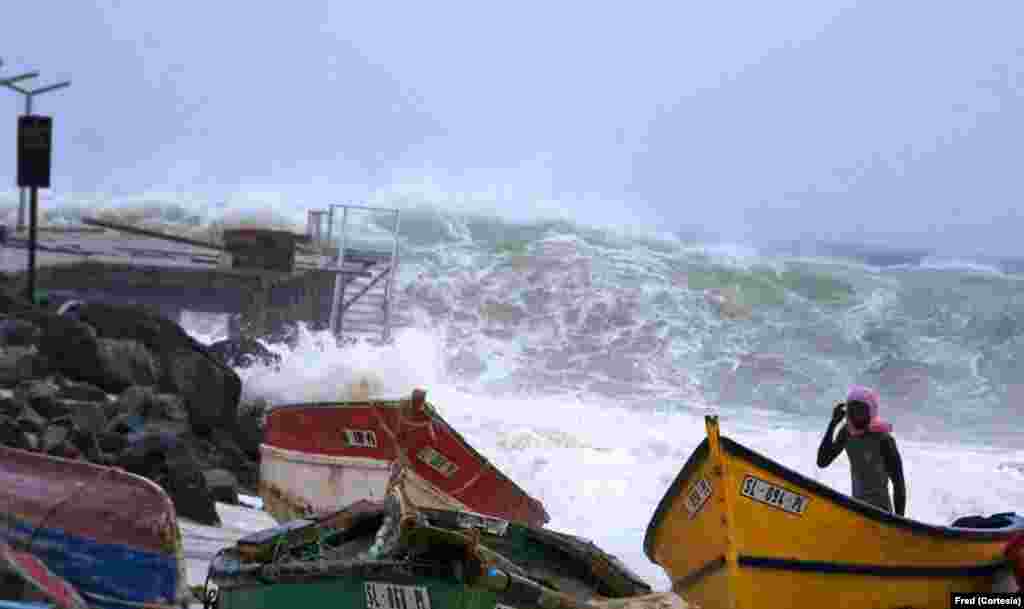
318	458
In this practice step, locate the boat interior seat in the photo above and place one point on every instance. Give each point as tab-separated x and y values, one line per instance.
995	521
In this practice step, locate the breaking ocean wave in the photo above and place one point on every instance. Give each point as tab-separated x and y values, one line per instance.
581	359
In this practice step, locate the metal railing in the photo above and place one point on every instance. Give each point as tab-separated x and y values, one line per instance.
344	250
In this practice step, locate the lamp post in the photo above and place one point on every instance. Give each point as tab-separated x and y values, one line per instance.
34	143
19	78
29	94
10	83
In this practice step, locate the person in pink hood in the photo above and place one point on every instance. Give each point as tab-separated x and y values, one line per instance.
874	458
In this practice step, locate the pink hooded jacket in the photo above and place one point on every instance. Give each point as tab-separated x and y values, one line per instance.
870	397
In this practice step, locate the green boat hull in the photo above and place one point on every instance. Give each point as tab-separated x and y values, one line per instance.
383	592
392	555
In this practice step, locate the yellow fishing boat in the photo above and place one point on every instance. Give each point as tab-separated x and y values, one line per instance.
738	531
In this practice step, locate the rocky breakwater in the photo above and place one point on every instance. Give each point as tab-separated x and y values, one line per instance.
124	387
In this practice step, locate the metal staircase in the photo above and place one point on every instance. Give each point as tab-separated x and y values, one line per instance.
361	306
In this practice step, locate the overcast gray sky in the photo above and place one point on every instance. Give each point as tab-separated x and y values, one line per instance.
897	122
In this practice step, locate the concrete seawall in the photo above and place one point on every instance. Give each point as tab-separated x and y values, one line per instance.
171	277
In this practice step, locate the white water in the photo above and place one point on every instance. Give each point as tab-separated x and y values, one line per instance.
601	470
201	542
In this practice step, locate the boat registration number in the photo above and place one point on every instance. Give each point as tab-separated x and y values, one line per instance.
364	438
775	496
380	595
438	462
698	496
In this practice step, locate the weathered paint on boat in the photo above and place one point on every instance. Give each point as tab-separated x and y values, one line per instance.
360	590
317	458
433	594
423	558
567	561
736	531
393	587
111	534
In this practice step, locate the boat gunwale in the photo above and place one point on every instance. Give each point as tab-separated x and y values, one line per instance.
862	508
260	575
328	404
432	412
819	490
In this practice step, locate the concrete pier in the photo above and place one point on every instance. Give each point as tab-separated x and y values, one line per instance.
339	278
172	277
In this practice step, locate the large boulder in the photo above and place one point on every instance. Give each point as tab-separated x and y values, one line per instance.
70	346
210	388
134	400
223	485
31	421
18	333
125	423
12	435
42	396
87	416
186	485
235	459
75	440
111	442
80	391
32	439
139	403
56	441
12	406
249	432
11	300
170	461
168	407
220	451
19	364
125	362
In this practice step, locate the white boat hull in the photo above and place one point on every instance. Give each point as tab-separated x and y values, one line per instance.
296	484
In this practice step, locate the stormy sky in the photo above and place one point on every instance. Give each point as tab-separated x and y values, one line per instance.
881	122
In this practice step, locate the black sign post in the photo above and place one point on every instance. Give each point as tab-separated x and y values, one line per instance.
34	154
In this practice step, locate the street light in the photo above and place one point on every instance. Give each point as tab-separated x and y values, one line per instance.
19	78
29	94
